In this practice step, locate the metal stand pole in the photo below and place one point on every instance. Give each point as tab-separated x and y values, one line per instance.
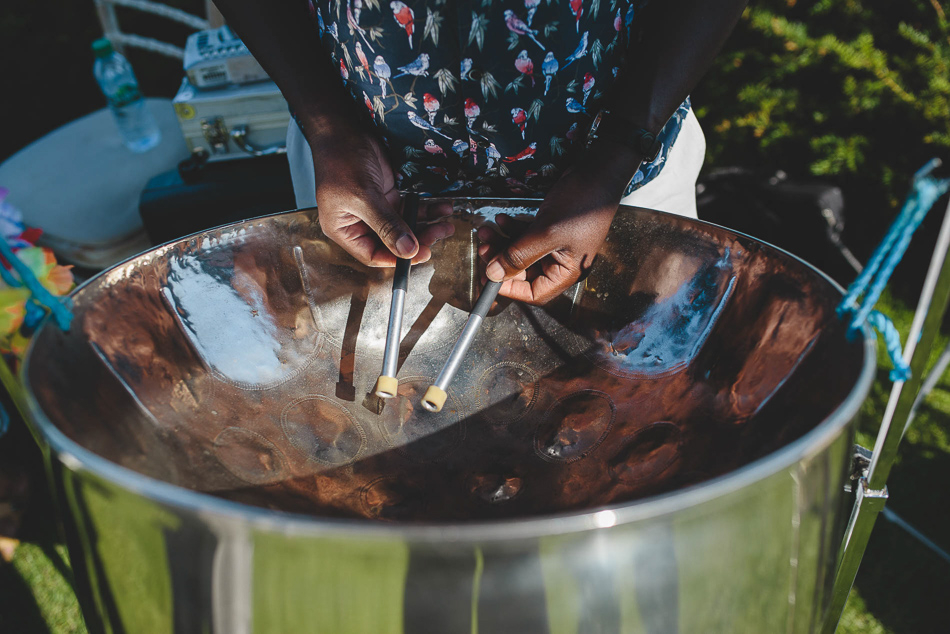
871	494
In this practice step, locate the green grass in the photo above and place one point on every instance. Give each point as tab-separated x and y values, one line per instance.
857	619
327	568
900	588
40	592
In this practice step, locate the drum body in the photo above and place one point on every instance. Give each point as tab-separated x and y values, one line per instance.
662	449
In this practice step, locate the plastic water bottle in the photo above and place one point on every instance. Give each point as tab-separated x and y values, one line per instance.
118	84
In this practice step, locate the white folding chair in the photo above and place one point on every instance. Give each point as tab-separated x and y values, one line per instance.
121	39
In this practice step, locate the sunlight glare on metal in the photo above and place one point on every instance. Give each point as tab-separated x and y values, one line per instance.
605	519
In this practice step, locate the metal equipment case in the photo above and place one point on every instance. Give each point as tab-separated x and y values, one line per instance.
217	57
233	121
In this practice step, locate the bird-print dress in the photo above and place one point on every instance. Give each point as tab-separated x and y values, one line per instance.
484	97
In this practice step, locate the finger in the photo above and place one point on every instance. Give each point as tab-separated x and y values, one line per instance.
435	210
431	222
346	224
493	241
432	233
512	226
363	243
497	240
385	219
424	254
358	240
488	252
533	245
487	233
504	225
498	237
371	252
528	274
555	279
489	237
383	257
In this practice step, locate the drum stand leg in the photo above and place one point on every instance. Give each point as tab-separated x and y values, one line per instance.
867	504
871	493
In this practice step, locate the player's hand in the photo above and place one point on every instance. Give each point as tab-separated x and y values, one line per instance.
359	206
540	259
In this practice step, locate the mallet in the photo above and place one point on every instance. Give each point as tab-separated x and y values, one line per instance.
387	384
435	396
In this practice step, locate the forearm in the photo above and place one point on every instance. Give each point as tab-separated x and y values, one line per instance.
282	37
681	39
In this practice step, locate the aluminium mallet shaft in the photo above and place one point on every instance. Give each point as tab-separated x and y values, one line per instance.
387	384
435	396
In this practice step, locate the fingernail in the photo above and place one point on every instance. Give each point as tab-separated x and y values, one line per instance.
495	272
405	246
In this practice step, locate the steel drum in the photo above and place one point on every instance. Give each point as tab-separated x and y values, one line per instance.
662	449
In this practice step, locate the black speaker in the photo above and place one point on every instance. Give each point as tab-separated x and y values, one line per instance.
805	217
201	195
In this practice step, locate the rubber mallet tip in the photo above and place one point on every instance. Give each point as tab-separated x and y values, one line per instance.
386	386
434	399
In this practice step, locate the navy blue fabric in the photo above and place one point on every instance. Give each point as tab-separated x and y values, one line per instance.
484	97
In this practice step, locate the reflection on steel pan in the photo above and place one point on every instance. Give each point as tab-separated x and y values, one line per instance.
216	396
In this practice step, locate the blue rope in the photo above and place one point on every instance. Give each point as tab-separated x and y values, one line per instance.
892	341
34	314
60	311
925	191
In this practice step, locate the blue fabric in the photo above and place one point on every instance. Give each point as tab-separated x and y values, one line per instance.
666	137
60	311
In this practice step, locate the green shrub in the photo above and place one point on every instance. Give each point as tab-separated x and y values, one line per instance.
856	90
